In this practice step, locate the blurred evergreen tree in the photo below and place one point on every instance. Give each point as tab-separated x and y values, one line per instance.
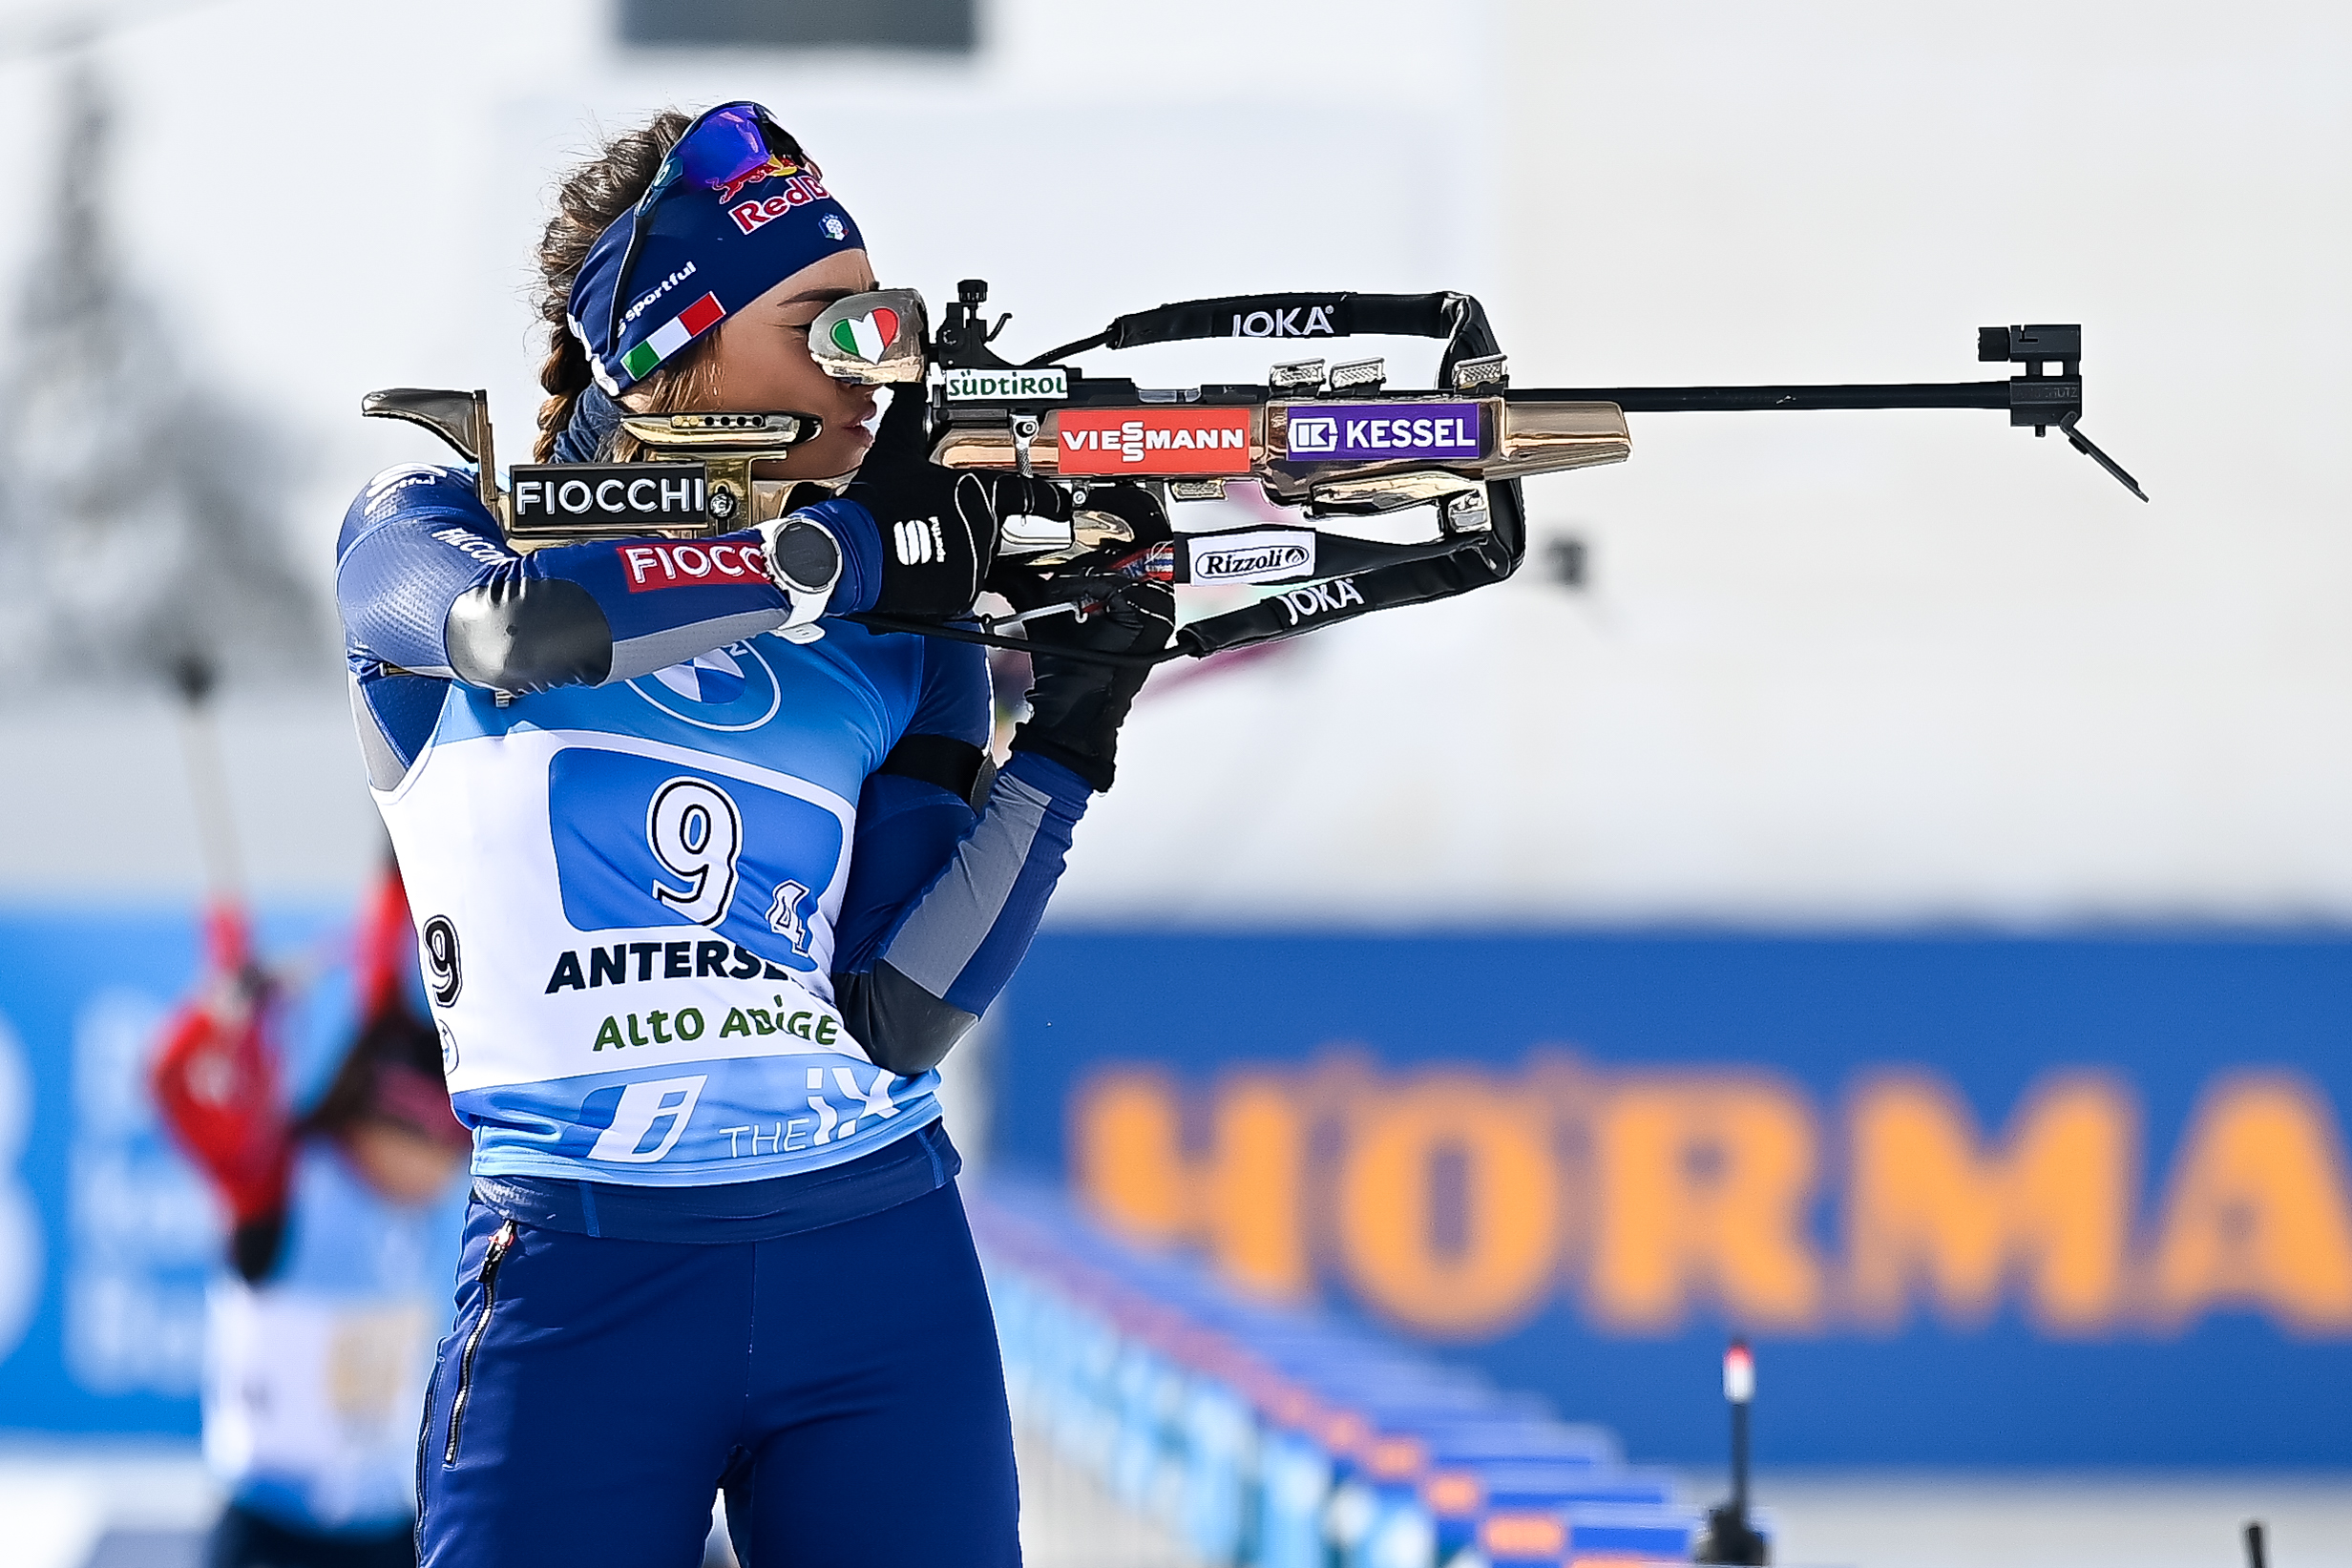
143	525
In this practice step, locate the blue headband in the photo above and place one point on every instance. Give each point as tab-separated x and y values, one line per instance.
735	209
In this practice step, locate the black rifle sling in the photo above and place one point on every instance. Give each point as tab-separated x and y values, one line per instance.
1303	316
1301	319
1475	562
1487	560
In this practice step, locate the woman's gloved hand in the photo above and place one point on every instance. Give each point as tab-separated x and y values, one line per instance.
1076	705
939	525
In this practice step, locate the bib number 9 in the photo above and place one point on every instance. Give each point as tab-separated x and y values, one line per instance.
642	842
696	834
444	975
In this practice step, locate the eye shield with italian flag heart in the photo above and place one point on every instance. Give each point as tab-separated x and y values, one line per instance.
735	208
871	340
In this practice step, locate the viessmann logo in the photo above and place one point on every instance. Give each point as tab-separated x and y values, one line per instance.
1155	441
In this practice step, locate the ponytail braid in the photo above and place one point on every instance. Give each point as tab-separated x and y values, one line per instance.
591	197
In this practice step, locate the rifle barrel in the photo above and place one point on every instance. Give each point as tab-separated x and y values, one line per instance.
1654	400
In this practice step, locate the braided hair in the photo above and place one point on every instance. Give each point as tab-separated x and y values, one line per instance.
591	197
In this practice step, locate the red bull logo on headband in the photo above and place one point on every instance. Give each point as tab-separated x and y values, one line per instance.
777	167
799	190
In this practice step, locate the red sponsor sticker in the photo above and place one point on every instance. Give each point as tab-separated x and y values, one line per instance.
651	566
1155	441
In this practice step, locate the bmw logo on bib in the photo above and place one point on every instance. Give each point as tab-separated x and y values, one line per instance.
726	688
714	677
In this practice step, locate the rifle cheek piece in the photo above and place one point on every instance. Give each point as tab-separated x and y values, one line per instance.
700	478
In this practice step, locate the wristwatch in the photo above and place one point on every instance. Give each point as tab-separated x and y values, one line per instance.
804	559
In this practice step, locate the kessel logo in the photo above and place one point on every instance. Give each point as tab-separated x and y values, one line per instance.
1267	555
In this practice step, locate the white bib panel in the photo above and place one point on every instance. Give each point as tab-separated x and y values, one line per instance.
626	898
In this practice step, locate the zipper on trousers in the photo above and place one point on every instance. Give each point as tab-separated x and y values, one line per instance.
500	1244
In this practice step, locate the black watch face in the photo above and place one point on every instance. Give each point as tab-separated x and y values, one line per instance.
805	556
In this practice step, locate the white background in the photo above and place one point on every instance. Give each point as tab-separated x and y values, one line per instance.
1832	668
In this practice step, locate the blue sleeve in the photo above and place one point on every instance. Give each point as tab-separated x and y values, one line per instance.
956	699
425	582
430	591
907	825
968	931
943	902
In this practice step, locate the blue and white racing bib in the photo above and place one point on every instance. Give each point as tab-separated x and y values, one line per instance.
626	897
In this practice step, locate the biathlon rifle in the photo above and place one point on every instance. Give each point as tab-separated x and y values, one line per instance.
1327	440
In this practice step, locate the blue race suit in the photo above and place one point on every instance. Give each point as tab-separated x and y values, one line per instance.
699	905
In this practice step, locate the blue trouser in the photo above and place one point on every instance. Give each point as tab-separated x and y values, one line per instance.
842	1385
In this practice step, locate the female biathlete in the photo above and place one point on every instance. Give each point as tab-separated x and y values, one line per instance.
702	897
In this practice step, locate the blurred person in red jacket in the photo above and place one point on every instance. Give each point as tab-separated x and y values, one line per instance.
344	1222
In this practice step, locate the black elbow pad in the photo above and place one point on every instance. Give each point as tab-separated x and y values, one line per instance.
904	1029
529	634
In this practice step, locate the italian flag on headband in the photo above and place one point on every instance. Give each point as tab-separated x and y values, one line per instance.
673	335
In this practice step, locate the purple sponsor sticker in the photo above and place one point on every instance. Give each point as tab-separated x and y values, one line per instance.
1352	432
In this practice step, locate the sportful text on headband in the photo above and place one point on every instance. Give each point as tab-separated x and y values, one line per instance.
735	208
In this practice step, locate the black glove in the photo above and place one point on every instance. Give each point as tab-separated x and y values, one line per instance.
1076	705
939	525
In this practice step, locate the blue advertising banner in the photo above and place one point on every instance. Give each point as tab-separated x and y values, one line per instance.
107	1236
2063	1201
1987	1202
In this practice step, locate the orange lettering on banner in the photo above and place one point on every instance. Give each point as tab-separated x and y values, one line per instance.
1126	1151
1254	1188
1500	1270
2258	1213
1243	1195
1926	1206
1705	1183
